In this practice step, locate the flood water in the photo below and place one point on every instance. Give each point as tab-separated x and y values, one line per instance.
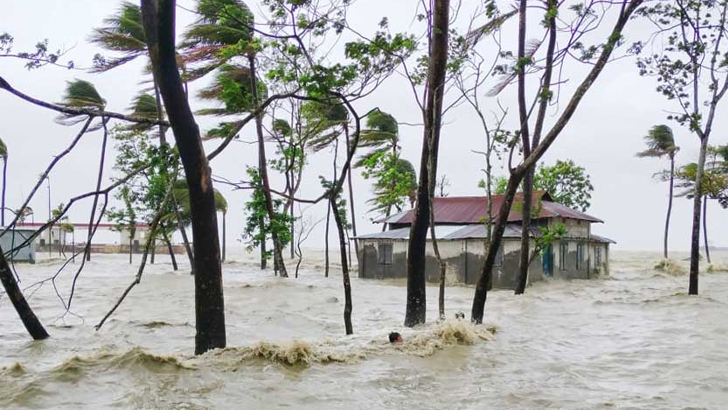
633	340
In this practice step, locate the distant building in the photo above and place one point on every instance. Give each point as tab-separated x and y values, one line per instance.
58	238
461	233
11	242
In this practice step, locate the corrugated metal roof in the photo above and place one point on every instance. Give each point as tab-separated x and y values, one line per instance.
598	238
449	232
473	210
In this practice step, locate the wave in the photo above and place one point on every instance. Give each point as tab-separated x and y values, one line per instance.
423	341
14	370
114	361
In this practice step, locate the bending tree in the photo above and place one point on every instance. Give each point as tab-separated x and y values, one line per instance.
691	71
598	57
395	180
661	143
158	17
416	310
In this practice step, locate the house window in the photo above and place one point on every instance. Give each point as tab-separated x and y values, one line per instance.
563	251
597	255
385	253
579	255
499	257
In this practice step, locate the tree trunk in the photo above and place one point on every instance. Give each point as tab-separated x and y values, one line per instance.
669	203
416	312
705	229
326	240
695	235
524	262
5	183
185	239
98	188
277	248
522	277
160	116
224	233
30	321
484	282
131	247
263	251
344	267
351	197
293	232
159	25
154	251
171	253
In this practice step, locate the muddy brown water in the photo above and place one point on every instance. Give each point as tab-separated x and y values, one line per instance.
630	341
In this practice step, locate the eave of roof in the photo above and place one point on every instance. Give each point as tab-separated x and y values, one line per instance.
473	210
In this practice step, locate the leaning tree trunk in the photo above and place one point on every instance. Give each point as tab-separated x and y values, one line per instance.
224	229
277	249
539	150
30	321
293	230
416	312
524	261
185	239
351	197
669	203
171	252
98	188
159	25
484	282
263	250
160	115
5	183
705	228
344	267
695	234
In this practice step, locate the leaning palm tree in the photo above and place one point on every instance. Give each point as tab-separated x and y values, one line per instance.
382	135
661	143
397	178
4	157
181	195
80	94
122	32
83	94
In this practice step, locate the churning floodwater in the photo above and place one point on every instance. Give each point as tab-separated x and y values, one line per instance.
633	340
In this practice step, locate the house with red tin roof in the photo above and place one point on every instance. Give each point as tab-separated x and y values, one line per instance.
461	232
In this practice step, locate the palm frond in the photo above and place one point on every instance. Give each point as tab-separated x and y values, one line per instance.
660	142
530	50
474	36
145	106
80	94
123	32
223	130
221	204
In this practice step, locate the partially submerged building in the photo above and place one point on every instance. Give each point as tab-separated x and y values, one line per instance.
461	232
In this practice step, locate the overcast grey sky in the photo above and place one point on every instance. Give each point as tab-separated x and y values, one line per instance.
603	136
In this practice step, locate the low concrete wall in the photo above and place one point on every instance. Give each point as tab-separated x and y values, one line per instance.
464	260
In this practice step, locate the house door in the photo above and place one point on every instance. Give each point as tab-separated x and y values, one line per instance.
548	261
